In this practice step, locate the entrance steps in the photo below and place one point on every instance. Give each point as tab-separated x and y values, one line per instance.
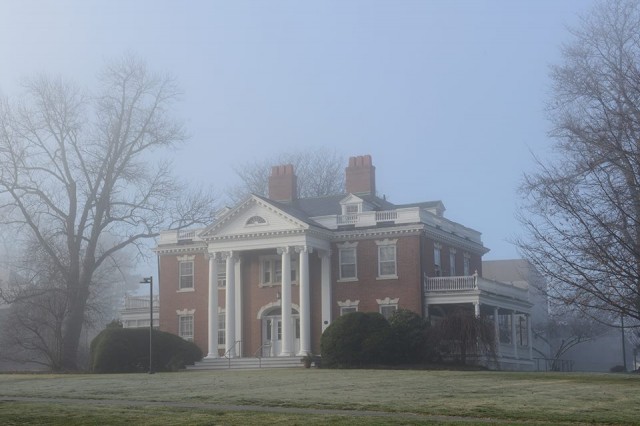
246	363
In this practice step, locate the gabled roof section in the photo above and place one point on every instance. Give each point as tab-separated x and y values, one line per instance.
238	219
351	199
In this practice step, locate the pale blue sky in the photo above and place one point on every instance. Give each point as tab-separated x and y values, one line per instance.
447	96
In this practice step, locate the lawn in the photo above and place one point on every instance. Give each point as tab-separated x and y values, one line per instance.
412	397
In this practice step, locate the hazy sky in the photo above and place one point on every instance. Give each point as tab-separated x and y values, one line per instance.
447	96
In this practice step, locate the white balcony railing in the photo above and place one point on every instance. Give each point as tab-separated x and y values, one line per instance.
175	236
474	282
451	283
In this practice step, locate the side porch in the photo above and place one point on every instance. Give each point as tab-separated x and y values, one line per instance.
505	305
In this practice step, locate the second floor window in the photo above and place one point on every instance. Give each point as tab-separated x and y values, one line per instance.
222	274
186	275
452	263
271	272
387	261
437	261
348	268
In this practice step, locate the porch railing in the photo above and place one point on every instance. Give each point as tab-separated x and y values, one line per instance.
451	283
227	354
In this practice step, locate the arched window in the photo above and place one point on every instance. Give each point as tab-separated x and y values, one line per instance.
256	220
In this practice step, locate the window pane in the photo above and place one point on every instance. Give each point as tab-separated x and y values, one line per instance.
221	328
348	271
387	311
266	271
278	268
388	268
347	256
387	253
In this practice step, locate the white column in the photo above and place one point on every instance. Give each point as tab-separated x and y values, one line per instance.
230	306
305	302
325	277
287	335
238	297
213	307
513	334
496	329
476	309
530	336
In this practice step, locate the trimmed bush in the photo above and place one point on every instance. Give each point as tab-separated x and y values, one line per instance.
126	350
358	339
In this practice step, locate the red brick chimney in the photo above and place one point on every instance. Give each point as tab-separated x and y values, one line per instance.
283	183
360	175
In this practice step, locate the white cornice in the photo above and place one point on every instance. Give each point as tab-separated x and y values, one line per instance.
442	236
374	233
181	249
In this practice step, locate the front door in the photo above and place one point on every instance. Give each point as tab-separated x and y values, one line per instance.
272	333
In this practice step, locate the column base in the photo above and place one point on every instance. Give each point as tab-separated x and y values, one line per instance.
303	353
286	354
211	355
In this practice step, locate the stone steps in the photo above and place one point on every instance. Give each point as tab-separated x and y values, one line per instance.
246	363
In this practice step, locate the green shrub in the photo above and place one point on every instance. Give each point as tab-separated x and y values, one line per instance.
408	338
126	350
357	339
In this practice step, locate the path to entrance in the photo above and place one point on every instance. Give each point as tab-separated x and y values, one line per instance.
256	408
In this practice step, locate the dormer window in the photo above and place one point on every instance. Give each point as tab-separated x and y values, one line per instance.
352	208
256	220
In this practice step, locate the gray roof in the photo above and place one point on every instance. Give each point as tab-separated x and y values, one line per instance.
306	208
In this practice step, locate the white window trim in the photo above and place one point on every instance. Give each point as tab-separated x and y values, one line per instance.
349	305
453	271
387	302
263	223
273	259
182	260
222	271
437	266
346	246
184	313
387	243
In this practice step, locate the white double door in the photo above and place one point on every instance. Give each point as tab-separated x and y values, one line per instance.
272	334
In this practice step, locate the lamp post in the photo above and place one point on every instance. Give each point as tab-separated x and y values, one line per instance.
149	280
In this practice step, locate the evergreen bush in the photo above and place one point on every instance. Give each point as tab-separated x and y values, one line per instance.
126	350
357	339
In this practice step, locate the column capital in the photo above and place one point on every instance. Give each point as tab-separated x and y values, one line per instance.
307	249
228	255
214	255
283	250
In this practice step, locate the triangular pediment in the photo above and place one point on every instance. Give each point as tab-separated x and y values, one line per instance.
254	216
351	199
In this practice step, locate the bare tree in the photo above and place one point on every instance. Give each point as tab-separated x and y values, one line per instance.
319	171
564	330
582	207
76	167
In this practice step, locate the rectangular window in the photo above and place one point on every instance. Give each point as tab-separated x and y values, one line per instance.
466	265
388	310
348	265
348	309
272	271
437	261
351	208
222	274
387	261
185	327
452	263
222	328
186	275
279	330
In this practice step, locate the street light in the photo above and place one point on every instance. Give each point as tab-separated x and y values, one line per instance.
149	280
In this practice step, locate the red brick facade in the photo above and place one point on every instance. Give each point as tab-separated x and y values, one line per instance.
256	229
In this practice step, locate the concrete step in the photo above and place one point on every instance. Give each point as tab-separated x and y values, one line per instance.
246	363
